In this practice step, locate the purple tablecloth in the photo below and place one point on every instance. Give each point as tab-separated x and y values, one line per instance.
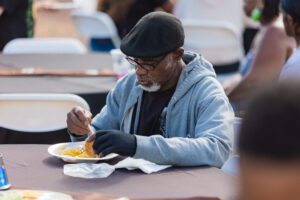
30	166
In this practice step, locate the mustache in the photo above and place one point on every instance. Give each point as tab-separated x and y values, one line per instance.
143	78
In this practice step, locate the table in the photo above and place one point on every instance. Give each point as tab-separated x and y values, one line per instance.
67	61
92	89
30	166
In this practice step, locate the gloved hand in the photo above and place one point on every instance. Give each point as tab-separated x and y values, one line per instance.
113	141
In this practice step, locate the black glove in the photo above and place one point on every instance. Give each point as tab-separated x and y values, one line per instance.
114	141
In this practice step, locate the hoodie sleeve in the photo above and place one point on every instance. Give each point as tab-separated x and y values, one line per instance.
211	144
108	118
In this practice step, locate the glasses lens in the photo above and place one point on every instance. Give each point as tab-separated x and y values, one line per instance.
148	67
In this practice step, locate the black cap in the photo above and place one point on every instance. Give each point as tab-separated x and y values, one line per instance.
156	34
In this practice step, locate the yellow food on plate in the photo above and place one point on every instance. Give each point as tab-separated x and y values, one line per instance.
89	150
21	195
79	151
31	195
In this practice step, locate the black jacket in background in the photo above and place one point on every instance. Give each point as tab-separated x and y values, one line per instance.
16	20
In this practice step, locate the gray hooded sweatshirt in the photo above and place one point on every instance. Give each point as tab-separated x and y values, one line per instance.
197	123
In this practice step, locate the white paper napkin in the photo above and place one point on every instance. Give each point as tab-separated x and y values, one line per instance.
144	165
103	170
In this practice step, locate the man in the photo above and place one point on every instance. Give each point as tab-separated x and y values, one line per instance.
291	20
15	20
171	110
269	145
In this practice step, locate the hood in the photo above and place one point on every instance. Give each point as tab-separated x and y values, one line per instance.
197	68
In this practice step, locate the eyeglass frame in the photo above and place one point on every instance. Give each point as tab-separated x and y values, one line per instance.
151	67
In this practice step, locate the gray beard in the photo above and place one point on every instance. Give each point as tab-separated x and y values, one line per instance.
153	88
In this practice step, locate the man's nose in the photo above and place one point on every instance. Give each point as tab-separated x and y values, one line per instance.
140	71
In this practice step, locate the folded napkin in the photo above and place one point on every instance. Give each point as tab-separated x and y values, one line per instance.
103	170
144	165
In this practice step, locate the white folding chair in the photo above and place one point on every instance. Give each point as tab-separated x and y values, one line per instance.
89	6
37	112
44	45
96	25
218	41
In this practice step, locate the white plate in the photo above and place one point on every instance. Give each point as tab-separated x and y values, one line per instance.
41	195
54	150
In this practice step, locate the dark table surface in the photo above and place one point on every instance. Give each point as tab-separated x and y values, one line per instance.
31	167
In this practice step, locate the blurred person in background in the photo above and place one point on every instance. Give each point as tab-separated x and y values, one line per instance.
251	21
269	145
263	63
125	14
16	20
291	19
170	110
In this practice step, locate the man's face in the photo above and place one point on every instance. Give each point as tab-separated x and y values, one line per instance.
261	180
155	73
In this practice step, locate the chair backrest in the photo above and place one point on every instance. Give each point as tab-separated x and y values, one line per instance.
37	112
44	45
218	41
96	25
86	5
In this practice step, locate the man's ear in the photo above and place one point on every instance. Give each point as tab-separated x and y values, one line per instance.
178	54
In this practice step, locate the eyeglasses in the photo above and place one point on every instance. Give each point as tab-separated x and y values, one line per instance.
147	67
